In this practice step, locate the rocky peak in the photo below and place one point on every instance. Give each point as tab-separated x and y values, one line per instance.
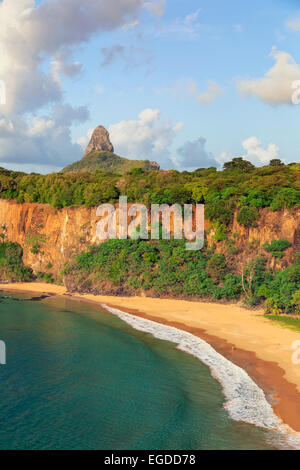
99	141
155	166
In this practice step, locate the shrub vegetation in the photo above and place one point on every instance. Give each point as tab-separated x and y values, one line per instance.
165	268
11	263
277	247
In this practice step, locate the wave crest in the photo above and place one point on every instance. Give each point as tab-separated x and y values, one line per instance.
245	401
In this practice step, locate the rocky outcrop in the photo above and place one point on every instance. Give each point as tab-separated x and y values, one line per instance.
99	142
154	166
99	155
50	237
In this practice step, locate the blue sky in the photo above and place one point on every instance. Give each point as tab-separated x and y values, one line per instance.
163	57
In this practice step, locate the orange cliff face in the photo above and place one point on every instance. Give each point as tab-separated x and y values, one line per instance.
47	236
271	225
51	237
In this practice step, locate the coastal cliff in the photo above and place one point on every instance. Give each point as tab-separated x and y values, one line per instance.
50	237
271	225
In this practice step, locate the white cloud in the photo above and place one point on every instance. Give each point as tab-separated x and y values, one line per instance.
257	154
294	24
222	158
145	138
40	126
193	155
65	114
149	116
36	47
207	97
84	140
62	64
30	35
275	87
44	141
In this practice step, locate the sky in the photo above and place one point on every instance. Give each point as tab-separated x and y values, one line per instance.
189	84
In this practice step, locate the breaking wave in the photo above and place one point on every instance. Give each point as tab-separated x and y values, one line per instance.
245	401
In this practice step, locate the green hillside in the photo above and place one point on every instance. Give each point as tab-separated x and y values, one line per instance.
273	186
107	162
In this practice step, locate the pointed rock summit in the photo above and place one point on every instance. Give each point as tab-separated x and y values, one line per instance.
100	155
99	142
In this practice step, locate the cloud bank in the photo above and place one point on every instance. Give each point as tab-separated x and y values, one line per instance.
37	47
43	141
193	155
275	87
256	153
148	137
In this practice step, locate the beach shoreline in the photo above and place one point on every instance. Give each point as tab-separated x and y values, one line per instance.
244	337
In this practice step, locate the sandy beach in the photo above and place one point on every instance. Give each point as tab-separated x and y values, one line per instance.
245	337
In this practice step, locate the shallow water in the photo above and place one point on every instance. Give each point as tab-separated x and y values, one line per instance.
80	378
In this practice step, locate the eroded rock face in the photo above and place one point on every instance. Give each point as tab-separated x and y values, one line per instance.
61	234
99	141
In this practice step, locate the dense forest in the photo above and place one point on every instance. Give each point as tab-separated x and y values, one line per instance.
240	184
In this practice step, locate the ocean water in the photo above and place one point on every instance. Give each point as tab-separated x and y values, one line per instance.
80	378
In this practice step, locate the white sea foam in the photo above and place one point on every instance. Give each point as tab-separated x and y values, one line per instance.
245	401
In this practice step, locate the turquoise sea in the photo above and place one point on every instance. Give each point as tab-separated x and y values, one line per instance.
80	378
